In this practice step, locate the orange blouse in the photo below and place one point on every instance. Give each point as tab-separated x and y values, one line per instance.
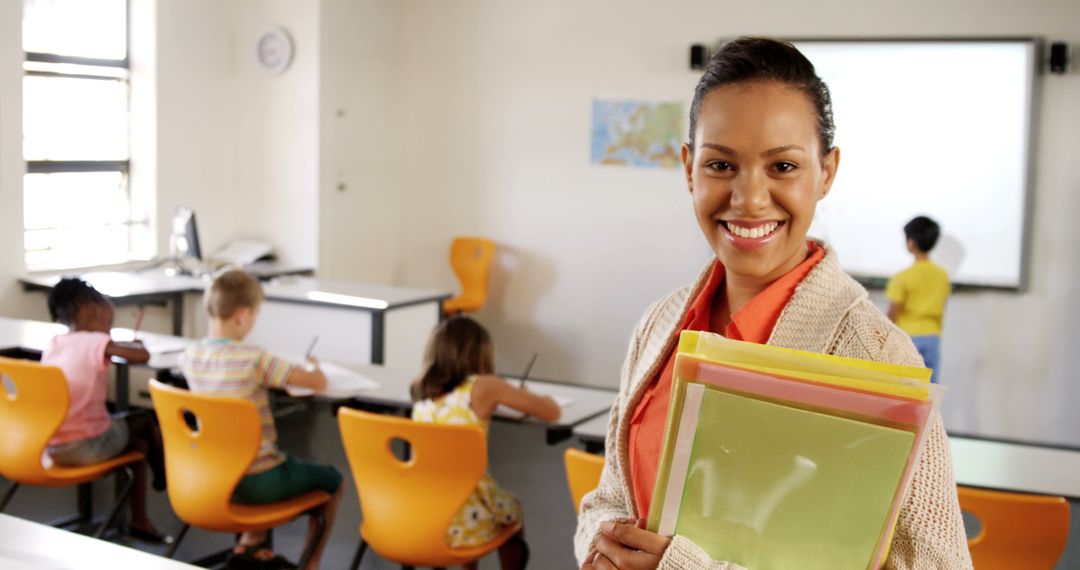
752	323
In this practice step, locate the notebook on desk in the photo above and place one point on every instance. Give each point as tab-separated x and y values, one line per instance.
506	412
340	383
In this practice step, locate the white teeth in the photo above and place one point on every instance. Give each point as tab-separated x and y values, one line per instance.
753	233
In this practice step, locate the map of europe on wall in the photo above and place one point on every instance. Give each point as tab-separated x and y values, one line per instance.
637	133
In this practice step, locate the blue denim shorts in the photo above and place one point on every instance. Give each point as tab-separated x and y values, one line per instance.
929	346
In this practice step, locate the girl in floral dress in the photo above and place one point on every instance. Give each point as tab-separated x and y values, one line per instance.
459	387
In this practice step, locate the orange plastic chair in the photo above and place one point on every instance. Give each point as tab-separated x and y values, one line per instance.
204	465
407	506
1018	530
28	419
582	473
470	258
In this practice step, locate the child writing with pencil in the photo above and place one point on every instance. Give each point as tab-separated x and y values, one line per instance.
222	364
459	386
88	433
917	295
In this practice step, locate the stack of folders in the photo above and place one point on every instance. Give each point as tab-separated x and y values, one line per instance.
775	458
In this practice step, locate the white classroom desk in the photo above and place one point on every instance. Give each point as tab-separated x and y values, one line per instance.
583	402
977	462
355	322
1016	466
20	336
26	545
151	286
32	336
593	433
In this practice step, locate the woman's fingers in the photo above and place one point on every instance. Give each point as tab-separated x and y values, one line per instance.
588	564
604	563
622	557
634	537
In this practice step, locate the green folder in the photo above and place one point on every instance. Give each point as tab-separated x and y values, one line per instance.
769	486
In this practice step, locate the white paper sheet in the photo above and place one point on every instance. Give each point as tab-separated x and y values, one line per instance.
340	382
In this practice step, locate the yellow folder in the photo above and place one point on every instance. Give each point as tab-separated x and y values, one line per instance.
852	373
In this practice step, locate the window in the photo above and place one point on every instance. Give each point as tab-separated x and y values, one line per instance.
77	204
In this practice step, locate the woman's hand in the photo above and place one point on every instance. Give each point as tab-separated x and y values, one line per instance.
625	546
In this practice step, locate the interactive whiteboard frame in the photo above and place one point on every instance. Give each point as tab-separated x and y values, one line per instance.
840	214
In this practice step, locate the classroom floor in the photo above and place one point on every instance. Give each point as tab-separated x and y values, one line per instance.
520	461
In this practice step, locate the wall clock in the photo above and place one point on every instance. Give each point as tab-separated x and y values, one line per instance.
274	50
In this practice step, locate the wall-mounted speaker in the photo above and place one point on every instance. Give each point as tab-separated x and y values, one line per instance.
1059	57
699	54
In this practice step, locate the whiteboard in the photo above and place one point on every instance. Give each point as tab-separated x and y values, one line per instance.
936	128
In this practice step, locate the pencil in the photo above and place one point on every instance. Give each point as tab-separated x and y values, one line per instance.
528	368
138	322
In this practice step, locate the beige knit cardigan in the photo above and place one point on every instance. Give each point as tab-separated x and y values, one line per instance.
828	313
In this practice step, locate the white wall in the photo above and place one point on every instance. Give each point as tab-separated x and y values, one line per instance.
195	125
499	102
276	142
11	157
497	117
360	179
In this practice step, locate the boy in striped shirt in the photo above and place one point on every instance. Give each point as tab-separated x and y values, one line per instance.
223	365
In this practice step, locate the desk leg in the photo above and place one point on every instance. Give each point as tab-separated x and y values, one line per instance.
378	337
85	500
123	375
178	314
594	446
123	385
557	434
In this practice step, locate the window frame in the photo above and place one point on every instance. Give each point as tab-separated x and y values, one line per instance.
80	166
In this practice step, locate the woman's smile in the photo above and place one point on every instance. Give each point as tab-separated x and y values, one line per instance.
746	234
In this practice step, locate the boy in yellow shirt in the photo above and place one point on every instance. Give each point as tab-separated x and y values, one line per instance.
918	293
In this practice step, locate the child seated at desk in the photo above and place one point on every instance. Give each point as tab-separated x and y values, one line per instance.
88	434
223	365
459	387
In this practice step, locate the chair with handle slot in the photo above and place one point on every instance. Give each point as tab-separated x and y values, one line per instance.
210	441
470	257
1018	530
408	505
32	408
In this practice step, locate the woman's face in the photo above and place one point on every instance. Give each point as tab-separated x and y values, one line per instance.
756	174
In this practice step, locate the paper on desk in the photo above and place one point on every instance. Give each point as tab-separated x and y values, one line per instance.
340	382
505	411
153	344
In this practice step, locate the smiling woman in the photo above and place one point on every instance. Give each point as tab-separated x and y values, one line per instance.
759	159
756	176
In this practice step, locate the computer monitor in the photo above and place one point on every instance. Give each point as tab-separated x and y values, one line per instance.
185	235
